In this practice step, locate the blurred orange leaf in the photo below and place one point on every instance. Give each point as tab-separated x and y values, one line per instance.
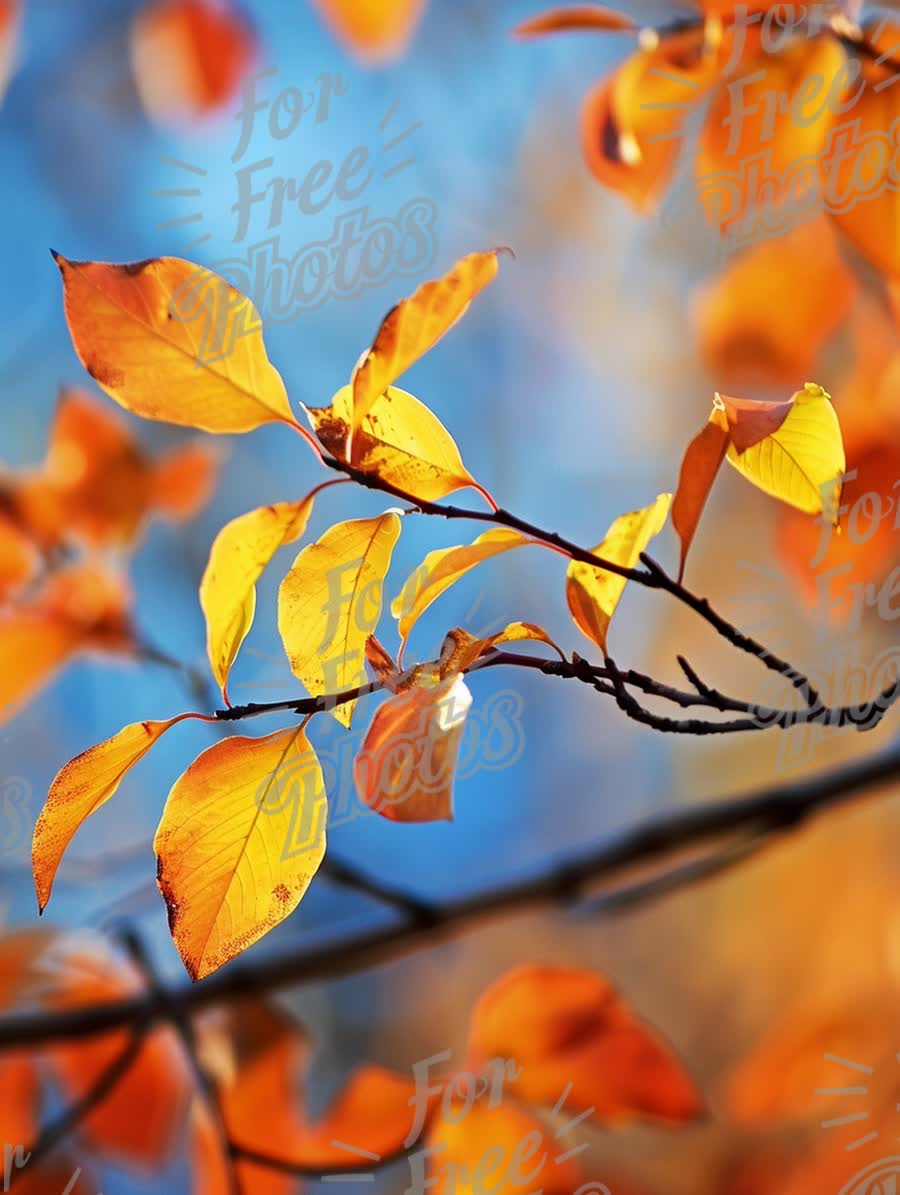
330	602
593	593
375	31
10	18
241	836
575	18
238	556
569	1030
189	57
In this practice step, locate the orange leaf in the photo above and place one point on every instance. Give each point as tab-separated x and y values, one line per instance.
778	112
699	470
140	1119
566	1026
375	31
184	480
574	19
241	837
80	607
189	56
18	557
80	788
631	123
745	337
501	1149
10	19
862	188
411	328
405	768
173	341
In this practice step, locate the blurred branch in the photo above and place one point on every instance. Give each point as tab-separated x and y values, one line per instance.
774	811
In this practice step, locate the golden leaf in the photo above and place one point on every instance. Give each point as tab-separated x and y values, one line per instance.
330	603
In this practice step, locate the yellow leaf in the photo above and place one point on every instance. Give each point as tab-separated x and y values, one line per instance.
411	328
399	441
443	568
330	603
405	768
802	461
239	554
241	836
173	341
594	593
80	788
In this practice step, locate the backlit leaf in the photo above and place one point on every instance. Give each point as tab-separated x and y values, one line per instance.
594	593
189	56
406	766
399	441
443	568
10	18
801	461
330	602
569	1029
460	649
241	836
699	470
80	788
575	18
173	341
411	328
238	556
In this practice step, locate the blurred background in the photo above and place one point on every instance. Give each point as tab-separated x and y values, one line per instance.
572	387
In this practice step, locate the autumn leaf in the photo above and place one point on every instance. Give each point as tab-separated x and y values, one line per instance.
80	788
443	568
500	1148
410	329
103	484
576	18
398	441
141	1121
570	1030
405	768
593	593
19	558
241	836
461	650
189	56
791	450
745	338
797	132
632	122
699	470
82	607
330	602
173	341
863	198
375	31
238	556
